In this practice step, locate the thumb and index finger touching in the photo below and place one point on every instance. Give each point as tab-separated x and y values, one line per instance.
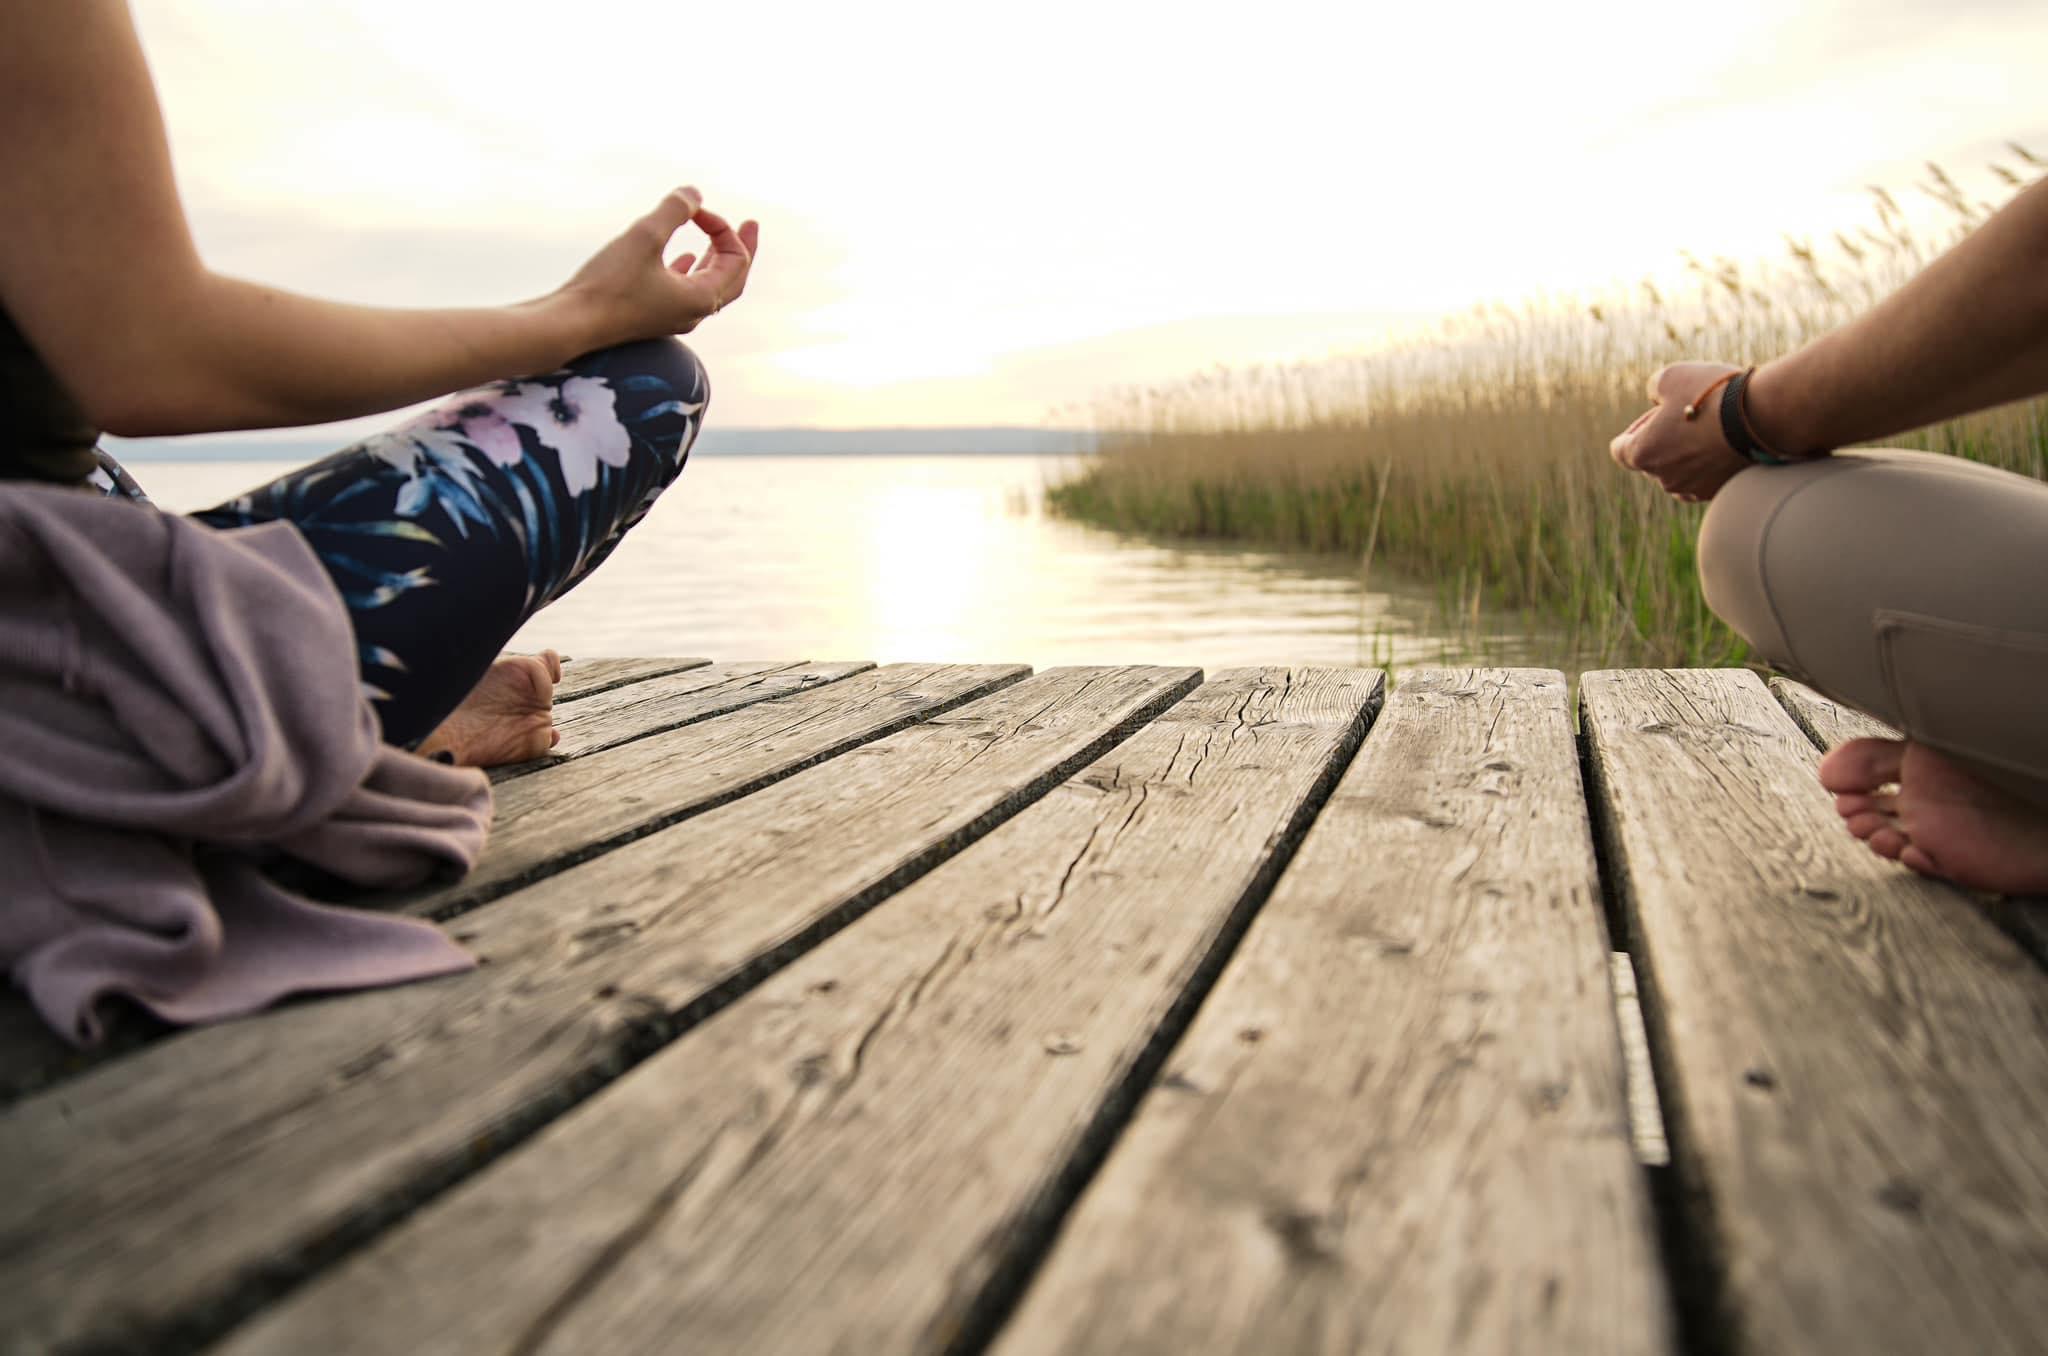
676	208
727	253
719	268
681	206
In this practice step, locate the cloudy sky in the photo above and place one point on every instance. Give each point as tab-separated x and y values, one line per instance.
982	213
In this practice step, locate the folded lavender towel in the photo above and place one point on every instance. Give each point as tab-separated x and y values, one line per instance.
178	705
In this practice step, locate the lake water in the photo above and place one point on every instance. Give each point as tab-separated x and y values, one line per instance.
943	558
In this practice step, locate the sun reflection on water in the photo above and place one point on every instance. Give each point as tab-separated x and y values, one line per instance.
949	559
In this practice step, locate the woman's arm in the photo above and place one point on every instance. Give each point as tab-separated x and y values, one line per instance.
98	267
1969	332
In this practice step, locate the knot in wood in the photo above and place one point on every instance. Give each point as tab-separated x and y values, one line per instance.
1901	1196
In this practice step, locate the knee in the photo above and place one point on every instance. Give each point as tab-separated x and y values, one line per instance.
1726	546
1731	565
665	369
660	392
676	363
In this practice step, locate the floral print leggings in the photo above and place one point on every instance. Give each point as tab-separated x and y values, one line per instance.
446	533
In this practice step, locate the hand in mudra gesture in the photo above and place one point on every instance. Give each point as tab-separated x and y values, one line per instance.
637	296
1689	457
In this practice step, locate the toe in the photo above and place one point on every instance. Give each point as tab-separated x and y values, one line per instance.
1852	803
537	680
1862	765
1866	825
1888	842
1917	860
553	663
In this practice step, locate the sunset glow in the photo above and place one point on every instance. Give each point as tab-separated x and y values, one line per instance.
979	214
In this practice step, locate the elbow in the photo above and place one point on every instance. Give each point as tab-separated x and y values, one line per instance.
106	387
144	374
126	416
126	420
138	398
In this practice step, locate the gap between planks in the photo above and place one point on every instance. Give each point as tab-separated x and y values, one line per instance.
586	677
1399	1122
603	801
901	1115
346	1114
655	705
619	701
1829	723
1851	1059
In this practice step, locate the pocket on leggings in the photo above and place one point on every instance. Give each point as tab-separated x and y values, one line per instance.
1976	691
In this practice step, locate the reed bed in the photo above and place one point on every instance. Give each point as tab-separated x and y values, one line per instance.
1476	456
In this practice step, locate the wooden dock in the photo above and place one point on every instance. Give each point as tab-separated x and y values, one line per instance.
952	1008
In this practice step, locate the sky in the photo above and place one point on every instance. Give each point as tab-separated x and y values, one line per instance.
990	213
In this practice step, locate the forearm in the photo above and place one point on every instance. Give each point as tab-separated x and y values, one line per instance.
244	355
98	267
99	270
1971	331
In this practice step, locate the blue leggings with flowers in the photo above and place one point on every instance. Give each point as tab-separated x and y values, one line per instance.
446	533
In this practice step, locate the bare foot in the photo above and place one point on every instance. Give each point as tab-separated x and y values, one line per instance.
1924	810
507	718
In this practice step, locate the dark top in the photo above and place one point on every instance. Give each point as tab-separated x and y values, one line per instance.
44	434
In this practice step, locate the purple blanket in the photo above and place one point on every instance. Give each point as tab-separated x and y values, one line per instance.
178	705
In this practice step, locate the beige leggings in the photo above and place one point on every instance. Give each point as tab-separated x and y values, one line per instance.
1911	586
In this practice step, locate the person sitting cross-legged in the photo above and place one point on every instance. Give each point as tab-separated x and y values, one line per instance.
443	535
1905	584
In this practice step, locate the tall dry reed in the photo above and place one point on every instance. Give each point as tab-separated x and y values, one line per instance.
1476	457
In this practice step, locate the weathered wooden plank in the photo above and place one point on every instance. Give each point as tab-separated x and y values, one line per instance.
1856	1061
544	824
1399	1123
895	1116
161	1198
1828	723
583	677
624	708
630	705
650	706
33	1058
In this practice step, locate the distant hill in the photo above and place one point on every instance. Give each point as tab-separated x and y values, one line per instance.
742	442
713	442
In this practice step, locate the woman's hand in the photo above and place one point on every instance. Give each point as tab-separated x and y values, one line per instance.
632	294
196	351
1688	457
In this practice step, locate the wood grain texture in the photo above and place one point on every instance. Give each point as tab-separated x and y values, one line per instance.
582	677
32	1057
564	815
1829	723
1826	721
847	1157
632	698
162	1197
621	714
1399	1124
1854	1061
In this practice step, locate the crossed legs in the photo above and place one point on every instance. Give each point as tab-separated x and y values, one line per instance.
1907	585
444	534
